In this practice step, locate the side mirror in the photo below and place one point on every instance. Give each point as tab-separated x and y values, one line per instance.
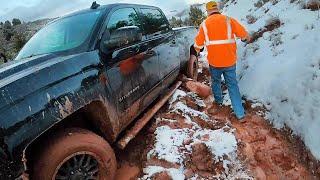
122	37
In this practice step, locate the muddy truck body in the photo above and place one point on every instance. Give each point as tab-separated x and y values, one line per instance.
91	72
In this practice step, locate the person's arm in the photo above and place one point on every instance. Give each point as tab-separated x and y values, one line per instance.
240	31
199	40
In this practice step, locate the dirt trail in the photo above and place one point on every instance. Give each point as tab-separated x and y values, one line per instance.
263	152
266	151
131	159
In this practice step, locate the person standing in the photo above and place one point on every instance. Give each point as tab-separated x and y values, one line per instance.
217	33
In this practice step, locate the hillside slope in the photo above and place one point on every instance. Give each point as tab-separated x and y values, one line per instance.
8	36
281	68
184	14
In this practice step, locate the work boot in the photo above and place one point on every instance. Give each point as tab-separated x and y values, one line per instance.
242	119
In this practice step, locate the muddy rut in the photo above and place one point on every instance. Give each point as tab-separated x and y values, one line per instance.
264	152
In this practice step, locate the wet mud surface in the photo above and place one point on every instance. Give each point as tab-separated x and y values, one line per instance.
262	152
265	151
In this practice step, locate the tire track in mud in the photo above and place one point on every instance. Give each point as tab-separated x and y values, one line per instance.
266	151
262	152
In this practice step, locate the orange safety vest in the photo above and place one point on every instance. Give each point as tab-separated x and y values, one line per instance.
218	33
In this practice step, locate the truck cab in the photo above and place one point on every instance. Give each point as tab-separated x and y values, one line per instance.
78	83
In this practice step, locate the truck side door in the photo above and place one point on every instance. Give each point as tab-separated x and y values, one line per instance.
158	30
122	56
131	65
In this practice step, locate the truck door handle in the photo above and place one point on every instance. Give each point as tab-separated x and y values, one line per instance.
150	52
173	43
134	50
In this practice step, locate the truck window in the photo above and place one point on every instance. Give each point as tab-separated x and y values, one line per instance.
64	34
154	22
124	28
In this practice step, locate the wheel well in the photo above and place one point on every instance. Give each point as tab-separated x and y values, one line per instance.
84	118
190	53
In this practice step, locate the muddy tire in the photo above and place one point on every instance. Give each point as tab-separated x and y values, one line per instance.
192	69
76	154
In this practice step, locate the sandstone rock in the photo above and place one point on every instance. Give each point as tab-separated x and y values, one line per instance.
201	89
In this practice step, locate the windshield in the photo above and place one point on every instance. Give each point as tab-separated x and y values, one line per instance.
64	34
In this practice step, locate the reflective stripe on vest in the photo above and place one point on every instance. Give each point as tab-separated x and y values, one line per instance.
205	31
230	40
197	46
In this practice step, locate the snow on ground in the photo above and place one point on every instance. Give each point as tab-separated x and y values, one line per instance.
177	144
282	68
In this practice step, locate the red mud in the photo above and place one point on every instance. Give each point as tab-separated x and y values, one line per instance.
201	162
201	89
161	176
127	172
267	153
131	159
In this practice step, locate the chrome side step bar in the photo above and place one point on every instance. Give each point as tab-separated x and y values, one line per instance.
132	133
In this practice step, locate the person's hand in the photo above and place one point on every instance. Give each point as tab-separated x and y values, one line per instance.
247	39
197	50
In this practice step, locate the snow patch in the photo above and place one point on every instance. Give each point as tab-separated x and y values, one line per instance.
220	142
181	107
174	145
177	95
282	68
167	144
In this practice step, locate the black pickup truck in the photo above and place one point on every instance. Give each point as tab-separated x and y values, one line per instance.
78	83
